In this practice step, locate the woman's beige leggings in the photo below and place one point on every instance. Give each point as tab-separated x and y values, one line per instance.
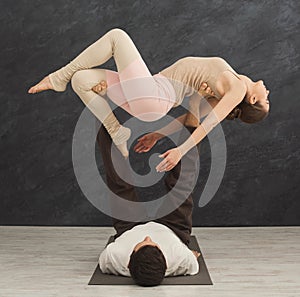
133	87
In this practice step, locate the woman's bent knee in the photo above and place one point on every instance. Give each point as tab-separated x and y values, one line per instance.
85	80
117	31
78	80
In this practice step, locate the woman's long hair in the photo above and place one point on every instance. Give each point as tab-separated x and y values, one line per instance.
248	113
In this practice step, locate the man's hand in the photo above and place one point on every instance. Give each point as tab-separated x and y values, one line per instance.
197	254
206	89
146	142
171	158
100	88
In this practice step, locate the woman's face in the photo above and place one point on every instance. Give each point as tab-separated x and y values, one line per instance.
259	93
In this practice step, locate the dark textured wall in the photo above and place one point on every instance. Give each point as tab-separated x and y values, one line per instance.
258	38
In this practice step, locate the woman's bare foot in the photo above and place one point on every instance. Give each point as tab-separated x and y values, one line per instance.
43	85
100	88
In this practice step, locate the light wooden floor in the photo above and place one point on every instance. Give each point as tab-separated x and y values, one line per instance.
59	261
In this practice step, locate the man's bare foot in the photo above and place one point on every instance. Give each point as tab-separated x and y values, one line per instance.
43	85
100	88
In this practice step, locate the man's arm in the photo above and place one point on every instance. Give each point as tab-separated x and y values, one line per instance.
190	264
113	260
200	105
105	263
190	119
186	263
171	128
195	112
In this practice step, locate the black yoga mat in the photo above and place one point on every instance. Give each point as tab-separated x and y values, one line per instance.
201	278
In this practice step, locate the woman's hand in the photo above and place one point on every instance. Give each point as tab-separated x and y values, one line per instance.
146	142
171	158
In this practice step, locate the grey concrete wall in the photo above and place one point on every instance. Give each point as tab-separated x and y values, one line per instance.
258	38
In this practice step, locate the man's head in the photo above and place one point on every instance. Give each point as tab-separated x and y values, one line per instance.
147	263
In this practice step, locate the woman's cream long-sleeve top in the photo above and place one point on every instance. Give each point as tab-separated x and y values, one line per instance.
187	75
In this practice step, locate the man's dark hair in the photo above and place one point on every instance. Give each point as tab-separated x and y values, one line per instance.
147	266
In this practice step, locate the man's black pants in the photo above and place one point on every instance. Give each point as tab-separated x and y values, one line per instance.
179	220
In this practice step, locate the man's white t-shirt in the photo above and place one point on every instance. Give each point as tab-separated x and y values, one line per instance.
180	259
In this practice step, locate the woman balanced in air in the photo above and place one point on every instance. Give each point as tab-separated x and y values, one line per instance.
149	97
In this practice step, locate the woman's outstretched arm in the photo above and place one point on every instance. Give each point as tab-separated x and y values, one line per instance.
146	142
231	99
228	102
